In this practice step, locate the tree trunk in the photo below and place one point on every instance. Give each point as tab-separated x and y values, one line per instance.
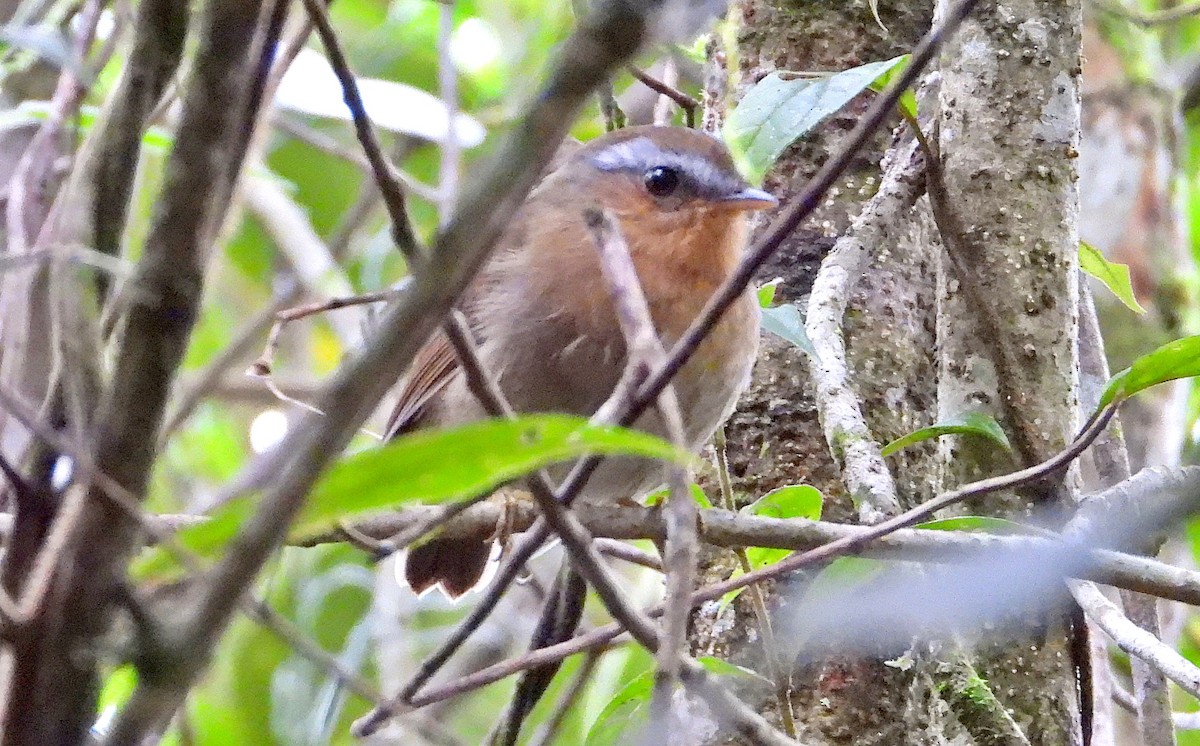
923	345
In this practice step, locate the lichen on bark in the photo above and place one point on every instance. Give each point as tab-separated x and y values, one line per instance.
916	356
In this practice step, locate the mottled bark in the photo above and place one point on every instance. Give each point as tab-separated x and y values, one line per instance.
917	353
1010	121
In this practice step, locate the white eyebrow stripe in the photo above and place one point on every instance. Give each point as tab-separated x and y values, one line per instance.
641	154
631	154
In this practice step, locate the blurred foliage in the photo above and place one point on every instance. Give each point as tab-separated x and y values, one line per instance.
1161	60
258	691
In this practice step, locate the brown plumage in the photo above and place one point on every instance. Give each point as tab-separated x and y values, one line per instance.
542	314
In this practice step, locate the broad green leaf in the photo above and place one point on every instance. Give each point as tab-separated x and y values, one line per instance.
624	713
761	557
699	496
444	465
766	293
971	423
777	111
981	523
793	501
785	322
1178	359
1114	276
434	466
908	99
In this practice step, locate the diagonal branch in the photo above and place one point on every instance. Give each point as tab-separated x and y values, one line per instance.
645	349
55	675
605	40
845	425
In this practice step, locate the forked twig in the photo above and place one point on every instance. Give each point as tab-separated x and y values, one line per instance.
681	99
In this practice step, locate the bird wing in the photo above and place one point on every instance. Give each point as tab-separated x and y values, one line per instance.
436	364
433	368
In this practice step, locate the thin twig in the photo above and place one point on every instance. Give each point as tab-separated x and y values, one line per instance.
780	676
681	99
627	553
1149	18
842	417
264	366
645	349
451	160
385	176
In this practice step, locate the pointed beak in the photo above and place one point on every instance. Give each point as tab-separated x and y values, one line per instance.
749	198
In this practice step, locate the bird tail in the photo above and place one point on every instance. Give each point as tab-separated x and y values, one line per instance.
454	564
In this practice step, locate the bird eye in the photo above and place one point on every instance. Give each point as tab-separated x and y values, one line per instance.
661	181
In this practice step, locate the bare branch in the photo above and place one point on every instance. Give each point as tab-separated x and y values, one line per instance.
842	418
57	680
681	99
1134	640
645	349
586	58
393	195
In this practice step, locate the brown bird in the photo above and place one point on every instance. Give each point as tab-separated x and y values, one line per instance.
541	311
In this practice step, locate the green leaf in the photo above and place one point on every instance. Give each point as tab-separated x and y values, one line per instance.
699	496
793	501
439	466
722	667
980	523
971	423
434	466
657	496
908	99
760	557
118	685
785	322
1178	359
766	292
624	713
777	111
1114	276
